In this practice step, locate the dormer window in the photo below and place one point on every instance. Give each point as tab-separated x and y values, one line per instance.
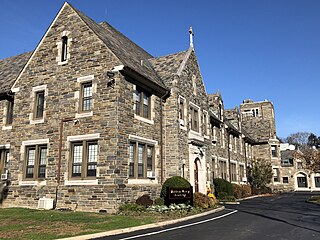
64	48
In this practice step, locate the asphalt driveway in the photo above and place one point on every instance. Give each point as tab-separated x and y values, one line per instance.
285	216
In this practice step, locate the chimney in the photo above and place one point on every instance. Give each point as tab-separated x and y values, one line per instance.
191	37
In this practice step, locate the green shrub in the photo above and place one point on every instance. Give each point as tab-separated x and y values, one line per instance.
227	198
221	185
159	201
201	200
237	190
174	182
144	200
131	207
246	191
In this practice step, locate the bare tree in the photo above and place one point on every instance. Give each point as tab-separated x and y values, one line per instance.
298	139
310	158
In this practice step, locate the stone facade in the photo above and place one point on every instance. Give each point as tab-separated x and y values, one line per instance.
148	119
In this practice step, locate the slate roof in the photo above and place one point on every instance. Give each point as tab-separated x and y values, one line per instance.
10	68
287	154
168	65
129	53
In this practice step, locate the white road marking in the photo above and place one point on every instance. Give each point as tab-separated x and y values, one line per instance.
179	227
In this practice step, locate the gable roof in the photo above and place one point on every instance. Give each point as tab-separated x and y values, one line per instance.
129	53
168	65
10	69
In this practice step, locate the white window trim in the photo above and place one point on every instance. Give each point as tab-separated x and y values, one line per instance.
59	46
152	112
35	142
185	111
80	80
143	140
93	136
34	91
80	182
32	183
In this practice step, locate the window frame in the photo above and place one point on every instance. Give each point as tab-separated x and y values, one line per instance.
139	103
4	160
84	159
233	171
194	118
287	180
9	113
83	98
36	104
135	163
223	169
36	165
274	153
64	49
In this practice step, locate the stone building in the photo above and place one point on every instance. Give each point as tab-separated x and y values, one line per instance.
91	121
294	176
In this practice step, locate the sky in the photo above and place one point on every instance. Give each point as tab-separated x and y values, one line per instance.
247	49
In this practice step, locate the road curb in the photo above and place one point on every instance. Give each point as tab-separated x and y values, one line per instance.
143	227
255	196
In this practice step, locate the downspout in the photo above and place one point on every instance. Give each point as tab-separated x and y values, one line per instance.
59	156
229	158
161	135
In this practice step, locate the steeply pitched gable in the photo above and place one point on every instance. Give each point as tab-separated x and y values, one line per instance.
129	53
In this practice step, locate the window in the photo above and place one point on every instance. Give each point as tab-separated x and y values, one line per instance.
276	175
287	162
235	144
39	104
84	159
285	180
64	48
241	172
181	111
255	112
233	172
220	111
141	160
143	105
205	123
194	119
223	169
35	162
86	97
274	152
214	134
9	118
299	165
4	158
213	168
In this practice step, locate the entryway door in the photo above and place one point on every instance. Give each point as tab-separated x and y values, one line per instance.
302	182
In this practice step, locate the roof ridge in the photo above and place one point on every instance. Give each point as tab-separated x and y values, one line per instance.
171	54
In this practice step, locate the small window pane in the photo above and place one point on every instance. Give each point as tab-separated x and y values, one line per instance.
77	160
137	102
140	160
39	104
42	161
149	158
131	160
10	112
92	159
86	96
64	48
31	153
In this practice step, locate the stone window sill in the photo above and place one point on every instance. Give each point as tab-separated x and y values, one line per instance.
85	114
80	182
9	127
146	120
37	121
32	183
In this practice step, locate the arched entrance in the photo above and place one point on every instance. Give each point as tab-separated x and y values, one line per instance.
196	174
302	180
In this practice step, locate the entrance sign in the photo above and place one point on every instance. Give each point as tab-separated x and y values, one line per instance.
179	195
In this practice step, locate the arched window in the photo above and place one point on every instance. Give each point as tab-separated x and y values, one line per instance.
64	48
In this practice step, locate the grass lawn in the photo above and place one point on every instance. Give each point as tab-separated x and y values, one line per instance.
20	223
314	199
